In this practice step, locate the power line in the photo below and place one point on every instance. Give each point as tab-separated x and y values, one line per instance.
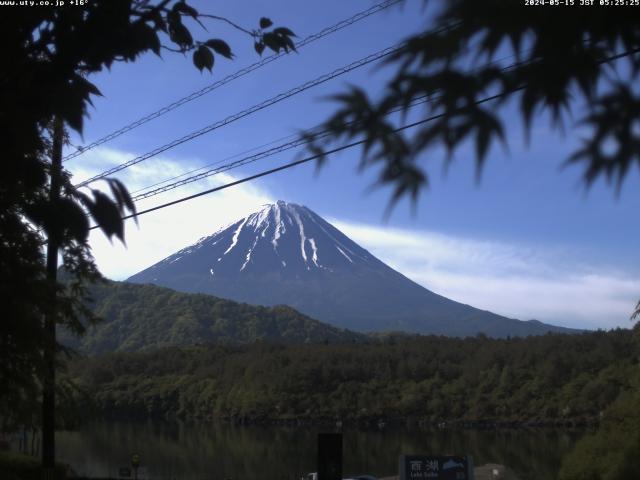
296	142
218	162
208	173
240	73
255	108
237	116
301	161
347	146
238	182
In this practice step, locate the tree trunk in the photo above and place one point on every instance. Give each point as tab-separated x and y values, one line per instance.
48	384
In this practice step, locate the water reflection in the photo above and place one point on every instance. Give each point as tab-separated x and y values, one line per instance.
187	451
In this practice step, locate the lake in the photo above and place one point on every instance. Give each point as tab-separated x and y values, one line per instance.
188	451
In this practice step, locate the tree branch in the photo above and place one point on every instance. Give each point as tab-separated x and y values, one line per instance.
226	20
197	20
183	50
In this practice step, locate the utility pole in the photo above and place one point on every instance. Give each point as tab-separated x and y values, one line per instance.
49	350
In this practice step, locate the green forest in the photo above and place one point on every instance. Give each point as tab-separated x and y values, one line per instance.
161	354
591	379
545	379
147	317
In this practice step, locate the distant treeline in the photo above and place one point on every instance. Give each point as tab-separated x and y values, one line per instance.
536	379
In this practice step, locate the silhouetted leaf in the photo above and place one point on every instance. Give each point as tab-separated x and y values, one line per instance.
122	196
71	100
173	18
289	43
158	21
220	47
259	47
203	58
75	219
146	38
265	22
182	7
284	31
106	215
180	35
272	41
85	85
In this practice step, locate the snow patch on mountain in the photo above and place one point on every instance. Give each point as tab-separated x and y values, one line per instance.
345	255
280	229
303	239
234	240
248	257
314	257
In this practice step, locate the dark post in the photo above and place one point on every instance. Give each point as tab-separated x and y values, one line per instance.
135	463
49	351
330	456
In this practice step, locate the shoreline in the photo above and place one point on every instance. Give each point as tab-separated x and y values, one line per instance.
369	423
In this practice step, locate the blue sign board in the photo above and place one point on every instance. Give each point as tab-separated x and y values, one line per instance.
436	467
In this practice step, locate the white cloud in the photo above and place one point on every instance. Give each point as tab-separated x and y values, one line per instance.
556	286
163	232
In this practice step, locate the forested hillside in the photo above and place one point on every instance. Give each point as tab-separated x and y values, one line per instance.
540	379
612	452
143	317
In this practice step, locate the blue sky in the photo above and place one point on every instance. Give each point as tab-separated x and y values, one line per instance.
527	241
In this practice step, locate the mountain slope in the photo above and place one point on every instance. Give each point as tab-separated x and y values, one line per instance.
138	317
287	254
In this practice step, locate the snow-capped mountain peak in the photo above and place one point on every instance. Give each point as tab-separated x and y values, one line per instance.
280	236
286	254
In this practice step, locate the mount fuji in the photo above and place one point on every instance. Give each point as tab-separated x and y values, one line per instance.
287	254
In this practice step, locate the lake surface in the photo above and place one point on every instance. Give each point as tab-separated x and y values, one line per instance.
188	451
